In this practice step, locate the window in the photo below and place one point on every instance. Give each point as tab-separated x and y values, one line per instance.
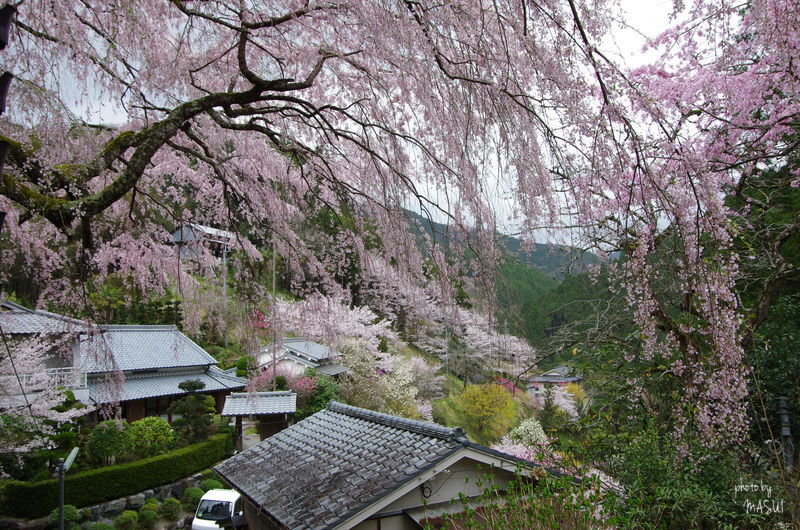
212	510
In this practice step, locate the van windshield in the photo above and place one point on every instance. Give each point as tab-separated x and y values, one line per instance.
213	510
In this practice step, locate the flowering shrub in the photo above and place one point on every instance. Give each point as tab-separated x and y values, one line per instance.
529	433
486	411
303	386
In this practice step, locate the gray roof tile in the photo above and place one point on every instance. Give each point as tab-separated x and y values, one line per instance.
317	472
254	403
141	348
101	390
332	369
309	349
16	319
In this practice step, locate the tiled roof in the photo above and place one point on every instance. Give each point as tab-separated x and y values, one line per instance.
245	404
332	369
160	384
192	231
16	319
322	470
310	349
554	379
297	359
141	348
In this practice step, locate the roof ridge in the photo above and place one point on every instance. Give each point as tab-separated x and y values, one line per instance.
261	394
419	427
15	307
134	327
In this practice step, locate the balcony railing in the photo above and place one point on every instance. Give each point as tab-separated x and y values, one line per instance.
68	377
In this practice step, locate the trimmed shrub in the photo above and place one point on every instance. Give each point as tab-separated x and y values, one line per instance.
211	484
147	516
35	499
171	509
191	497
100	526
71	514
150	436
148	508
127	520
107	440
151	501
196	413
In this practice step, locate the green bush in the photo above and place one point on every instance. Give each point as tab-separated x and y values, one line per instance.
100	526
107	440
196	413
245	365
171	509
36	499
71	514
127	520
281	383
147	516
151	501
211	484
149	507
150	436
191	497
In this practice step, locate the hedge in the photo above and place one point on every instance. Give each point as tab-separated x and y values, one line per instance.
36	499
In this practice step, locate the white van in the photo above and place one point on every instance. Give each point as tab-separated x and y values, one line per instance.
219	506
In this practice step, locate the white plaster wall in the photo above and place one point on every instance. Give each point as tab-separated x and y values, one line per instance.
466	476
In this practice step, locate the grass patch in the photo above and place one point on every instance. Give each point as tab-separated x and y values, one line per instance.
453	385
445	411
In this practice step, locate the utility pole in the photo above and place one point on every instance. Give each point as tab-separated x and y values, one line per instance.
273	307
446	345
225	291
62	469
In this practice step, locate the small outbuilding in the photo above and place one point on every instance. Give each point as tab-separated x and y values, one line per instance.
272	411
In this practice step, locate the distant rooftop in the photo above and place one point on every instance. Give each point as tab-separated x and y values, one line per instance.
332	369
559	374
309	349
193	231
17	319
